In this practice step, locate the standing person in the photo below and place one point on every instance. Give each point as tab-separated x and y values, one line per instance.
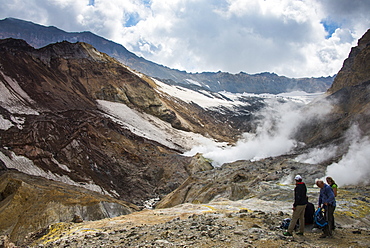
327	201
334	187
299	206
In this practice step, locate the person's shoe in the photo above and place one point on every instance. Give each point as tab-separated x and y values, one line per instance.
300	233
323	236
287	234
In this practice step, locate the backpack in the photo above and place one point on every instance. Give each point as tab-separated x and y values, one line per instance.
285	223
308	214
319	218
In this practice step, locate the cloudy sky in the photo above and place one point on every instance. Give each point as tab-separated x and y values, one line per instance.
295	38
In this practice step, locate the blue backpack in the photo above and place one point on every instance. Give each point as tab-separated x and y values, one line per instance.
319	218
286	222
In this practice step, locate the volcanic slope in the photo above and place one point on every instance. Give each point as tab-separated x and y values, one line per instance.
72	114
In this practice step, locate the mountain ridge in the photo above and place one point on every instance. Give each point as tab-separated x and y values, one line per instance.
39	36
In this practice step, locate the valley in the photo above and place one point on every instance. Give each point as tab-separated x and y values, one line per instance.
87	140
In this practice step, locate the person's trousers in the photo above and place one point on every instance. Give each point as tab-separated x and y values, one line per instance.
298	214
329	216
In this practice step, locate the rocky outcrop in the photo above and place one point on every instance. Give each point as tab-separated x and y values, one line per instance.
355	70
40	36
350	99
29	203
241	180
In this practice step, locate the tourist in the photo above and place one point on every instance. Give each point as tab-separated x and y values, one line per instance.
299	206
334	187
327	201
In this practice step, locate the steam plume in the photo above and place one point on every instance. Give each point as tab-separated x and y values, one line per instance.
354	167
273	136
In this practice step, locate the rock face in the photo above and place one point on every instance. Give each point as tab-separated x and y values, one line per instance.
350	97
355	70
40	36
29	203
242	180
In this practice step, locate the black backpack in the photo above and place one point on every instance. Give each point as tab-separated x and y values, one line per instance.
319	218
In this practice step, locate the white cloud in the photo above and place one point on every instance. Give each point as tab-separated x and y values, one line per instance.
288	37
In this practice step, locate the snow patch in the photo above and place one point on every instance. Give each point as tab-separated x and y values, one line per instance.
150	127
139	74
294	96
15	99
191	81
62	166
203	98
26	166
19	121
5	124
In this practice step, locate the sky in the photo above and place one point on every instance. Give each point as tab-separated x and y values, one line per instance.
294	38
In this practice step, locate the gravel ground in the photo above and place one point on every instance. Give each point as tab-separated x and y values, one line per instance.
218	224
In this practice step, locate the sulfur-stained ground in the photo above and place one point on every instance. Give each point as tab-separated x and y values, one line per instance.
223	223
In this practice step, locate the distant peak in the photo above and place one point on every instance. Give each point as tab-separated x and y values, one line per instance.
11	19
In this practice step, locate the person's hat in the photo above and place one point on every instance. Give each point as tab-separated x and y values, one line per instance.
297	177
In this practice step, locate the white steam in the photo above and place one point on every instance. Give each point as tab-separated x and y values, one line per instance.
317	155
354	167
273	136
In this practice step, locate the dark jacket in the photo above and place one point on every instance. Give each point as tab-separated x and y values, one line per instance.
300	194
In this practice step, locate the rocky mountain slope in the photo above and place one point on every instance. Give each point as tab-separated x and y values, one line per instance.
30	203
61	129
58	121
39	36
350	95
355	70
